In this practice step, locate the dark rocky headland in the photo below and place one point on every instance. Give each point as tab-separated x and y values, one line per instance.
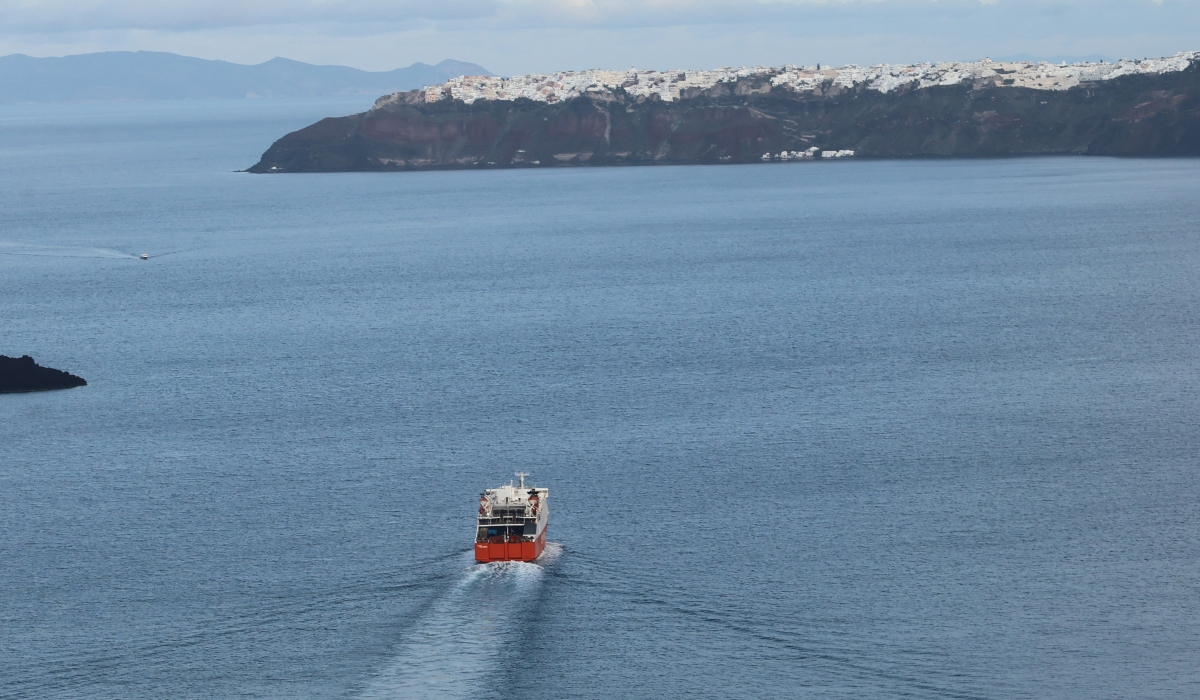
19	374
738	121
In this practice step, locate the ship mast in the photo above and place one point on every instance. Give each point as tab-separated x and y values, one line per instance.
521	476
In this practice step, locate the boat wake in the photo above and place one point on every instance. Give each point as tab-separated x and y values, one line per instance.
552	551
455	647
52	251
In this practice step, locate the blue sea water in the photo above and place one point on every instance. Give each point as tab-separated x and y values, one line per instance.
916	429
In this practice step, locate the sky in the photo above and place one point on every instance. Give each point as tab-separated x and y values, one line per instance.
511	37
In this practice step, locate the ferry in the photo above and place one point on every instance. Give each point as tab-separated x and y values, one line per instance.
512	523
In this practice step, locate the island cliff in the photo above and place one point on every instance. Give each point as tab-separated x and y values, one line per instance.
19	374
1149	108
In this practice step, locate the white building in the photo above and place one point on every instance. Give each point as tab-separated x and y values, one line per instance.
669	85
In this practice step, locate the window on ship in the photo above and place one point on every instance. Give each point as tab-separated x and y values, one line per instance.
500	533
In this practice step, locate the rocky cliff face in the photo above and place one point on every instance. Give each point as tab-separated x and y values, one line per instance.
737	122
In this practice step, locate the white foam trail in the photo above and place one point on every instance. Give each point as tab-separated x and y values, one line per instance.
56	251
457	644
552	551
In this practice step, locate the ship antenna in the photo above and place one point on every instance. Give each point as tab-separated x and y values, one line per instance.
521	476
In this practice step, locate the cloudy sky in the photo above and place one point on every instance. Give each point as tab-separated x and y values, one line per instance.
520	36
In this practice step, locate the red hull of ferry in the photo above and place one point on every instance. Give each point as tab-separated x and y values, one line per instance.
510	551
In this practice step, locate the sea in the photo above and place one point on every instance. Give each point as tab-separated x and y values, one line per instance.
833	430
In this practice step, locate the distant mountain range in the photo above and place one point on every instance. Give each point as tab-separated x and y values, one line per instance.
141	75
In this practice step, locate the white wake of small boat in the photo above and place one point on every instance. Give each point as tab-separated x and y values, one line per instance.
53	251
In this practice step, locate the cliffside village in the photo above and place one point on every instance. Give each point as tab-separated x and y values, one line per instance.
672	84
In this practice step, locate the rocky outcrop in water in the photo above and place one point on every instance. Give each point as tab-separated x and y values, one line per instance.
23	374
740	121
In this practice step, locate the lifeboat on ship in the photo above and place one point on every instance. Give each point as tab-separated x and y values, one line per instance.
512	523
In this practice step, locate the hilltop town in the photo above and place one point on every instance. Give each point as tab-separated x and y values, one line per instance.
1148	107
676	84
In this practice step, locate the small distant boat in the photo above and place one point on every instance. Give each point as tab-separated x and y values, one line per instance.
144	256
512	523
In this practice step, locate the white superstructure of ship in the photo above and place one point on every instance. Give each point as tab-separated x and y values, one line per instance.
512	520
